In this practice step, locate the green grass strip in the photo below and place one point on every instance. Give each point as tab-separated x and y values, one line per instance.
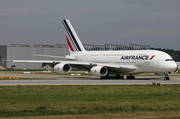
18	100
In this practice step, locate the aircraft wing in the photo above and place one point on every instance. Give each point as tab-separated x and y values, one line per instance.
111	67
51	61
59	57
115	68
32	61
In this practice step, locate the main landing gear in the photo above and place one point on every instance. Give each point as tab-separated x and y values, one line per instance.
117	77
130	77
112	77
166	77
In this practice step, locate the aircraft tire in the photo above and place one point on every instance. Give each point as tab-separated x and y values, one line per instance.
166	78
130	77
114	77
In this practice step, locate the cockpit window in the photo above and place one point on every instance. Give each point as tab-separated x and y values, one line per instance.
169	60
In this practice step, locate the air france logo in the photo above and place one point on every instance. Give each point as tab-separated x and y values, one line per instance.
137	57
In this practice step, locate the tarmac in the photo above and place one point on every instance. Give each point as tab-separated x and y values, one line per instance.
48	79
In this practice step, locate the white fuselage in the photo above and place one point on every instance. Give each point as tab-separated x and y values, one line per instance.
146	61
102	63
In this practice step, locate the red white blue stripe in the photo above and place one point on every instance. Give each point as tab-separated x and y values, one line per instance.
72	38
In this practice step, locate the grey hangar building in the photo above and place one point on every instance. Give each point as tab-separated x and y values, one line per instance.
25	52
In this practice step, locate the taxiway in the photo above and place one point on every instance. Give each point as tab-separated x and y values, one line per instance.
48	79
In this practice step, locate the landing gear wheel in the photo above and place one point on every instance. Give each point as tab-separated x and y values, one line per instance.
166	78
102	77
130	77
112	77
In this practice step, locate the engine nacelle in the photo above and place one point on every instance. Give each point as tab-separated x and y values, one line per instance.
62	68
99	71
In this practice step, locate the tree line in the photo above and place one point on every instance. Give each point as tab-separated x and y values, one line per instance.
175	54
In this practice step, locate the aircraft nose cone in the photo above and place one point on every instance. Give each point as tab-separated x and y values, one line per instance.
173	67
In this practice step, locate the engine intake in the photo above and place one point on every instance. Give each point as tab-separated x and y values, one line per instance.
99	71
62	68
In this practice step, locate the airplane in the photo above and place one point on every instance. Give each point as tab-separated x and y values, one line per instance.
106	63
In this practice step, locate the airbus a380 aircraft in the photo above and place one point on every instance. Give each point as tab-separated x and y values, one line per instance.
103	63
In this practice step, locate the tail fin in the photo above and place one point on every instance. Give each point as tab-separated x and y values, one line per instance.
73	40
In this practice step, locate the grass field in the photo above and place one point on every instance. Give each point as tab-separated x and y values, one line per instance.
132	101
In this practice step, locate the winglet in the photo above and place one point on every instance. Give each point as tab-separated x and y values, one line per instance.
3	60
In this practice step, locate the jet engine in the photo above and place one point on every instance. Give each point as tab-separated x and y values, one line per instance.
62	68
99	71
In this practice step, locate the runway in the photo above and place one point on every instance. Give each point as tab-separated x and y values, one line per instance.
47	79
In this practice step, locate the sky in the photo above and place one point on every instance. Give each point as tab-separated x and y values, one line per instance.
123	22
